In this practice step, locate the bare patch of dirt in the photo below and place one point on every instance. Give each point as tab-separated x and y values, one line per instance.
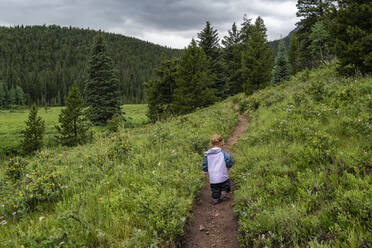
215	225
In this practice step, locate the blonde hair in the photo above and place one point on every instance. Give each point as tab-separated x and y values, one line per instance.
216	140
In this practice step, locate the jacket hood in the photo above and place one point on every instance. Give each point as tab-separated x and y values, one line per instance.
212	151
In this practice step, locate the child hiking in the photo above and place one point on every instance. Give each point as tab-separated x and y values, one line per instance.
216	164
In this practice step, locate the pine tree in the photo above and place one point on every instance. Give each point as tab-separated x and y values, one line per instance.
281	70
194	81
3	94
74	126
159	92
257	59
209	42
352	31
246	29
102	90
12	96
310	12
294	54
232	58
33	133
320	39
20	96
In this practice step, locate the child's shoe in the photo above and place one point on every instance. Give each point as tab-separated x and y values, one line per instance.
225	195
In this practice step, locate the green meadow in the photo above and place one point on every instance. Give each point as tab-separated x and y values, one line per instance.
12	122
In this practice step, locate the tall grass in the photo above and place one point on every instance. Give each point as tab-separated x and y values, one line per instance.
132	189
304	164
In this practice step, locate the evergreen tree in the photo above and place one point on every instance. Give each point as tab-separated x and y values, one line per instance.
194	81
12	96
294	54
74	126
311	11
257	59
320	39
159	92
281	70
102	89
33	133
352	31
3	94
209	42
20	96
246	29
232	58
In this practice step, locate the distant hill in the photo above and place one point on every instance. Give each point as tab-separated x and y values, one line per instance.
287	40
46	60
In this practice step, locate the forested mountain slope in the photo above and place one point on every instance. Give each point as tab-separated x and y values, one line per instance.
45	60
287	40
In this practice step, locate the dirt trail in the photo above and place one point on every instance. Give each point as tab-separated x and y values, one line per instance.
215	225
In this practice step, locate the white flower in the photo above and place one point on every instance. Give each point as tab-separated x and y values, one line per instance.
41	218
14	213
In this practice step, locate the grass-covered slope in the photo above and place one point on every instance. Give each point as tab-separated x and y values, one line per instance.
304	164
132	189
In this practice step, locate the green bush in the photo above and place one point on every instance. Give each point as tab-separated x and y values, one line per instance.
15	168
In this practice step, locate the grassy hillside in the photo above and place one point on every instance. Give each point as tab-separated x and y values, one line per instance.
304	164
13	122
132	189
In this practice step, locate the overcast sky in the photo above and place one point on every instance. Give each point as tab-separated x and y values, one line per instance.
172	23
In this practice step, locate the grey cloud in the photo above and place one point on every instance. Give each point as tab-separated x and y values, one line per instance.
145	18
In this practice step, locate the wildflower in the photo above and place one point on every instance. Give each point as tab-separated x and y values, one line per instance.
3	223
310	192
14	213
41	218
245	214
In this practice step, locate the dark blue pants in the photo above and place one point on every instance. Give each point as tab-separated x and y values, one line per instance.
216	188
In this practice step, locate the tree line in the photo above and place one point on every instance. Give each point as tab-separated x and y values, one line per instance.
331	29
210	70
38	64
207	72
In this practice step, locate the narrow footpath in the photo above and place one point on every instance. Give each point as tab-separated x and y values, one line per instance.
214	225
